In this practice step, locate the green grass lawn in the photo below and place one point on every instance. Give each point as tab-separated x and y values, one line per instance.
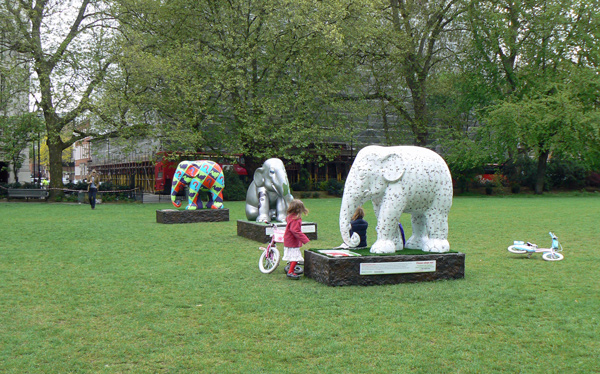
112	291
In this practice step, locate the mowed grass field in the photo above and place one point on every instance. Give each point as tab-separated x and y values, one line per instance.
112	291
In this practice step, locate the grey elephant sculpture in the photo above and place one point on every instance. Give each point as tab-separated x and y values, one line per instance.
400	179
269	193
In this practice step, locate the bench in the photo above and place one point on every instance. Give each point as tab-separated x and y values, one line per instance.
27	193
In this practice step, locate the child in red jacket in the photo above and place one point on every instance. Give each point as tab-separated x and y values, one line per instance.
294	238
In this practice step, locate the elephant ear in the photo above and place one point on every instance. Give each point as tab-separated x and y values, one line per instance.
392	168
259	178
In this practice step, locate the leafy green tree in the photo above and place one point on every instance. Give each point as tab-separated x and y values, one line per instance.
259	78
16	133
69	48
531	57
544	125
409	44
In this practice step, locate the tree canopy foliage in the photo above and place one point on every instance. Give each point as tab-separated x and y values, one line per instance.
260	78
487	81
16	133
529	73
68	48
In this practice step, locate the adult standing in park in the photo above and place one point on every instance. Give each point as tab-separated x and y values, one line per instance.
93	182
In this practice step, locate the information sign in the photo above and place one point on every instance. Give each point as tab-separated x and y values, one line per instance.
378	268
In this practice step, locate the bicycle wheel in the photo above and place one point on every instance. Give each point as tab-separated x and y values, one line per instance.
553	256
268	263
518	251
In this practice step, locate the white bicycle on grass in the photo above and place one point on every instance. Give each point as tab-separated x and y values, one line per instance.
548	254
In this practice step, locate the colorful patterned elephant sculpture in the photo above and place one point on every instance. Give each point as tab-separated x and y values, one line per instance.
202	175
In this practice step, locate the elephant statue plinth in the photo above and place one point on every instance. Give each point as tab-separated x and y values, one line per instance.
201	175
400	179
269	194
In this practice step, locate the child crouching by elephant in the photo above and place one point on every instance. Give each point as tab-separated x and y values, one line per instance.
359	225
294	238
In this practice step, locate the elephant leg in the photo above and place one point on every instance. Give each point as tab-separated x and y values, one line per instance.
216	198
252	202
263	205
419	236
211	200
193	196
280	209
376	206
388	234
251	212
436	222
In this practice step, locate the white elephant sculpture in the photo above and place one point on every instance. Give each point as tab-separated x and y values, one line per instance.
269	194
400	179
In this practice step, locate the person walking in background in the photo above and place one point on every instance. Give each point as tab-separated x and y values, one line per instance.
93	181
294	238
359	225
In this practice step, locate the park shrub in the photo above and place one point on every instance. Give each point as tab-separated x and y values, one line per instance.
303	183
593	179
335	187
322	186
565	174
489	187
464	177
26	185
81	186
234	190
108	191
299	186
520	172
560	173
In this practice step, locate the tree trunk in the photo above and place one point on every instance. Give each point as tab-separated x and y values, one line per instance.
420	128
541	172
55	148
16	172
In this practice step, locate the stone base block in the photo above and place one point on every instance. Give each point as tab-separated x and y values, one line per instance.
191	216
377	270
261	231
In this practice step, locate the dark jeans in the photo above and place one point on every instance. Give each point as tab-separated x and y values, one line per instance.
92	196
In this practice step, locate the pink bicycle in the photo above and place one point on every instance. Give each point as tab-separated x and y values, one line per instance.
270	258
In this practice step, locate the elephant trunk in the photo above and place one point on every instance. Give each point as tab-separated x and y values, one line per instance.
283	188
350	201
177	185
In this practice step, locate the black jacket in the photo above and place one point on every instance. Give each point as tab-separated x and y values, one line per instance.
359	226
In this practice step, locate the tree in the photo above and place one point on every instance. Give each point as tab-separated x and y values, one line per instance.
259	78
70	50
67	154
531	55
543	125
16	132
409	42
